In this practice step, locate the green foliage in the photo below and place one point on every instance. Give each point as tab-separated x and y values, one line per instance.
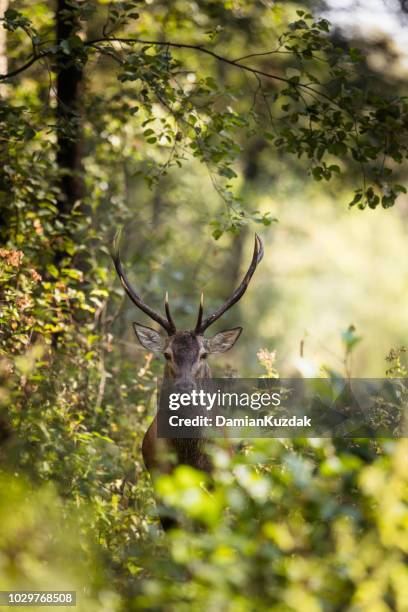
289	526
286	526
41	546
396	366
307	100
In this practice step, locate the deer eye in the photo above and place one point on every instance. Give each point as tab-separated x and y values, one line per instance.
204	355
167	356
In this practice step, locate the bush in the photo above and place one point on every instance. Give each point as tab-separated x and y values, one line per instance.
288	526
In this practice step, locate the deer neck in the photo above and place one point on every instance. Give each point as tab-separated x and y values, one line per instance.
191	451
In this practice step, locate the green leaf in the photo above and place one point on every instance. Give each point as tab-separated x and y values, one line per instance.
11	14
317	173
357	198
227	171
350	338
75	42
51	269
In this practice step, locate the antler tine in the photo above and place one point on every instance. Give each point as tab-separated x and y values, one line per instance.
167	324
239	292
200	314
168	314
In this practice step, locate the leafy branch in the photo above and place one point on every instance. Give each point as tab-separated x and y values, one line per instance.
322	120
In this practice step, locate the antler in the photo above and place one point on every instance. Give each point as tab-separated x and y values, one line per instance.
201	325
167	324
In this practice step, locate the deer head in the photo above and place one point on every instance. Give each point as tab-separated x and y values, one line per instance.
186	351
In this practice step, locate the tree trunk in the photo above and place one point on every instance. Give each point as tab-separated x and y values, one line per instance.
3	48
250	172
69	121
4	178
69	133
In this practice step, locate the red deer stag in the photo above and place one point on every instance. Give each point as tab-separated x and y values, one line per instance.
186	361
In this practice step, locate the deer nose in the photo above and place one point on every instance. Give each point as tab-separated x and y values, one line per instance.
183	385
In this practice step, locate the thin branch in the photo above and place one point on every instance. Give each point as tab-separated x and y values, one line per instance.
258	89
260	54
216	56
275	52
30	62
109	53
255	71
268	108
199	142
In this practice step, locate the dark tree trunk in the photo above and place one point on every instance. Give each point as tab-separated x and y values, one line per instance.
250	172
69	123
4	4
5	187
69	133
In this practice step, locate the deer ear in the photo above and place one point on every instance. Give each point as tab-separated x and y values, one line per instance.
149	338
223	341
